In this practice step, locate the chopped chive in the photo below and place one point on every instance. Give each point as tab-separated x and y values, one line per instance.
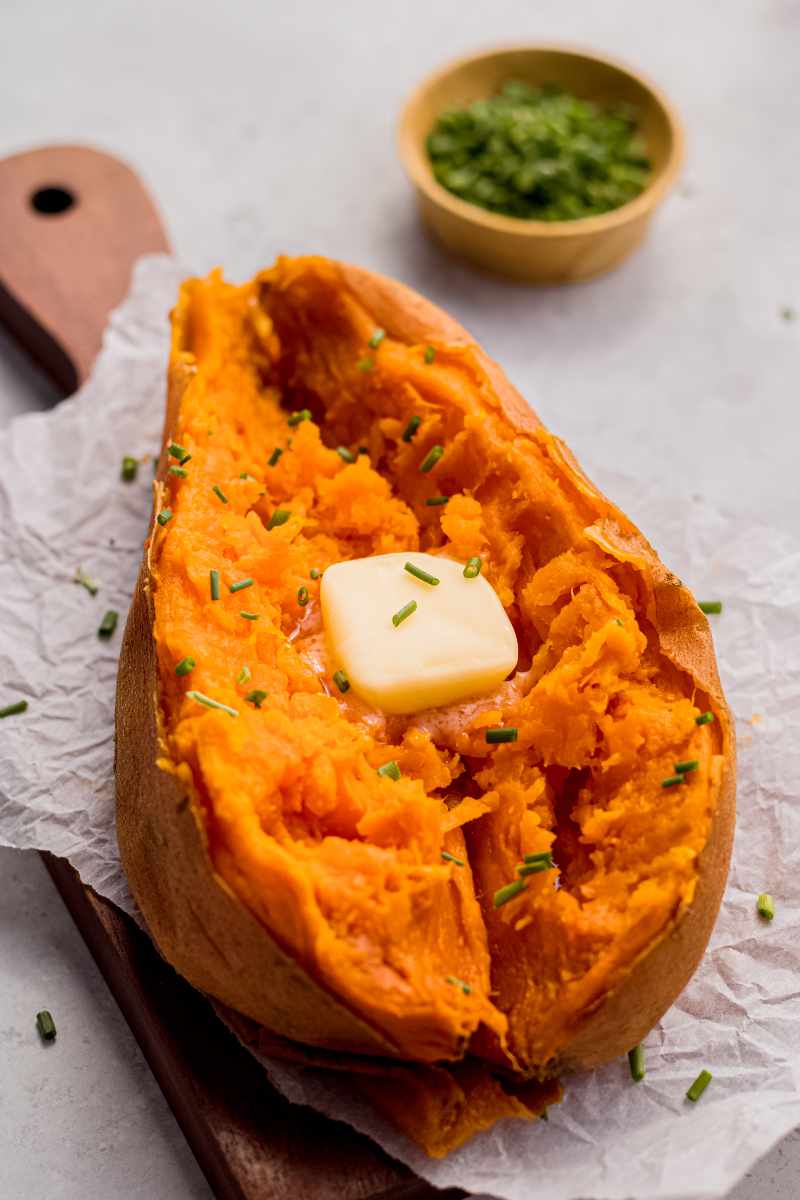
436	501
186	458
302	596
390	770
256	697
164	516
217	490
376	339
431	458
345	454
710	606
504	894
341	681
185	666
86	581
177	451
179	471
430	354
303	414
46	1026
130	468
683	768
273	458
403	613
11	710
245	475
673	780
365	364
244	676
617	621
411	428
314	573
201	698
456	982
108	624
241	585
279	517
213	579
501	733
451	858
766	906
473	567
636	1063
534	868
699	1086
248	616
418	573
704	719
539	856
363	449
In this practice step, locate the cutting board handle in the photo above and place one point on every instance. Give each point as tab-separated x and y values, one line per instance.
73	221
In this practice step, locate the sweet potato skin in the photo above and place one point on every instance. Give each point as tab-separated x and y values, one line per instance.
209	935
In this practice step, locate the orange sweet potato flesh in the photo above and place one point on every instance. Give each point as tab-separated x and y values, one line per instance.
275	868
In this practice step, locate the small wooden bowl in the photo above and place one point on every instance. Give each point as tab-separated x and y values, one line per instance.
539	251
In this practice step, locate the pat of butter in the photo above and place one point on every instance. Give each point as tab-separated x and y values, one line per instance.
456	644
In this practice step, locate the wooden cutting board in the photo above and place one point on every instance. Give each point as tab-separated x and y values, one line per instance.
72	223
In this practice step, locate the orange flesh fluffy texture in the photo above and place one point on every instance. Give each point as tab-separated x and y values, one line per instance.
343	866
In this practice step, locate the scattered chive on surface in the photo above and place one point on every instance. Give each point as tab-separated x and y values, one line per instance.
241	585
177	451
314	573
202	698
376	339
341	681
186	458
710	606
273	458
636	1063
244	676
363	449
256	697
179	471
430	354
431	458
539	856
403	613
345	454
11	710
108	624
500	734
473	567
129	468
418	573
303	414
217	490
85	581
248	616
683	768
504	894
673	780
459	983
46	1026
451	858
534	868
185	666
766	906
213	580
699	1086
365	364
436	501
302	596
704	719
164	516
279	517
411	428
390	770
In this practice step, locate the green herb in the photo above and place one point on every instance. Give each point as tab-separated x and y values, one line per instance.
704	719
85	581
185	666
46	1026
244	676
341	681
314	573
346	454
164	516
241	585
256	697
545	856
788	313
431	458
418	573
186	458
456	982
302	596
501	733
363	449
436	501
11	710
390	770
130	468
411	428
617	621
430	354
213	579
473	567
636	1063
539	153
217	490
451	858
246	475
403	613
201	698
304	414
179	471
248	616
691	764
534	868
504	894
177	451
766	906
376	339
108	624
699	1086
279	517
273	458
673	780
365	364
710	606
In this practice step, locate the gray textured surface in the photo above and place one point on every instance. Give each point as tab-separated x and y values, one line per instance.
264	127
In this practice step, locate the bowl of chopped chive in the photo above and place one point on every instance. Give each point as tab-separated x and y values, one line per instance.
541	163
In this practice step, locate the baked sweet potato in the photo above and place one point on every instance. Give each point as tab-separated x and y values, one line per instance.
276	869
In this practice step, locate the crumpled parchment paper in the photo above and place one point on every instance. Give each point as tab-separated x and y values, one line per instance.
63	506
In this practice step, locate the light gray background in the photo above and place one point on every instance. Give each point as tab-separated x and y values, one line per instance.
263	127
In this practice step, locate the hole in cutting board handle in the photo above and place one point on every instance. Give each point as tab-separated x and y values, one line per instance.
51	201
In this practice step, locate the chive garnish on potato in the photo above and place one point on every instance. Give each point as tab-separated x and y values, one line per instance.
314	573
129	469
636	1063
683	768
500	734
504	894
179	471
431	458
303	414
699	1086
673	780
302	596
345	454
185	666
376	339
704	719
279	517
390	770
403	613
248	616
273	458
436	501
256	697
473	567
244	676
411	428
164	516
241	585
418	573
108	624
201	698
217	490
365	364
12	710
456	982
341	681
430	354
451	858
177	451
213	580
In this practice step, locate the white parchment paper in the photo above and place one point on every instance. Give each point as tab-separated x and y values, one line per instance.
62	505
